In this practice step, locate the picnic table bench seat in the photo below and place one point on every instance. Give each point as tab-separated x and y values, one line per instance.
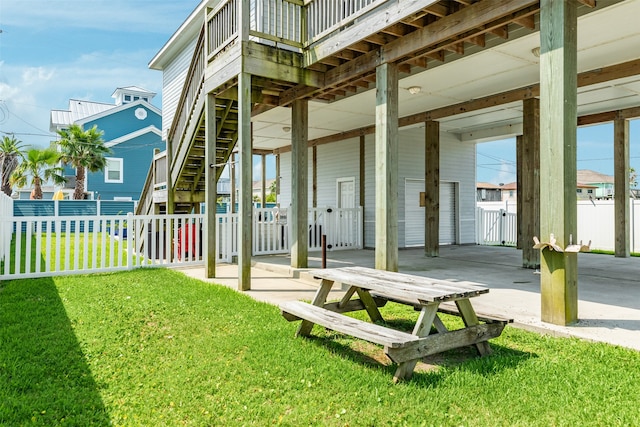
347	325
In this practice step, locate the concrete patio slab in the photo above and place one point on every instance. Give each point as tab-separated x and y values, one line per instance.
608	287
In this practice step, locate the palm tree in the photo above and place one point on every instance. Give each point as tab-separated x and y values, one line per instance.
38	166
85	151
10	155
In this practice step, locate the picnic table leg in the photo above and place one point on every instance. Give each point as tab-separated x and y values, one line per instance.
321	297
422	329
370	305
470	318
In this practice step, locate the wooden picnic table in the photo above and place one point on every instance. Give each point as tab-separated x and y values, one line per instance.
373	289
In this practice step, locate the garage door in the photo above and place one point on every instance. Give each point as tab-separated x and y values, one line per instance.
414	214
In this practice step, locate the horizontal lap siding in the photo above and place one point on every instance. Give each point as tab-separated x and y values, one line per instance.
173	79
457	164
341	160
337	161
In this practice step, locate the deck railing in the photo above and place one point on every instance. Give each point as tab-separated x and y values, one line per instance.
289	23
326	16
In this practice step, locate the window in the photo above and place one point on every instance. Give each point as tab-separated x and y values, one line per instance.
113	171
127	98
590	191
579	190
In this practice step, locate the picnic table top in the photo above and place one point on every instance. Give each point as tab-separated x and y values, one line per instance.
403	287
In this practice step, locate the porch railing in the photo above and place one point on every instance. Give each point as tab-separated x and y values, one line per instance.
292	23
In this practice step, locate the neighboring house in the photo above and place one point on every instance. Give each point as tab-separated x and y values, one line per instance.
487	192
132	130
583	191
509	192
601	183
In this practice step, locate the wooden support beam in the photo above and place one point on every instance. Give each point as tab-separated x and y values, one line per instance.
234	185
519	186
586	78
558	119
474	16
263	180
432	189
211	190
386	167
621	185
245	207
362	176
530	166
299	183
314	176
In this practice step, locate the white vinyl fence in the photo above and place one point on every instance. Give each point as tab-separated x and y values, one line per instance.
40	246
596	223
6	211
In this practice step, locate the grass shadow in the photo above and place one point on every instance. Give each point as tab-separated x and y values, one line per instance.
44	377
431	370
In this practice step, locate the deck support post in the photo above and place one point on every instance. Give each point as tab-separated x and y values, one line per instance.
519	188
432	189
299	184
263	181
558	127
621	185
211	190
386	167
245	208
530	167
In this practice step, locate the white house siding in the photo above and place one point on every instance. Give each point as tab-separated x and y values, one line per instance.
173	79
457	165
337	160
341	160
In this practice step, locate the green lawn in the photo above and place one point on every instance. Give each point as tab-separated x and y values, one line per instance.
153	348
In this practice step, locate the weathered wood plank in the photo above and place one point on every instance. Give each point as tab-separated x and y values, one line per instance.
438	343
381	281
621	184
245	214
432	189
450	308
530	182
387	337
558	118
386	167
300	178
349	306
211	187
421	329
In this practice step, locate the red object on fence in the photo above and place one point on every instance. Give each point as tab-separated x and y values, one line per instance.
187	234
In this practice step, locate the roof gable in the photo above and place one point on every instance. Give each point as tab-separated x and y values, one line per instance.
133	135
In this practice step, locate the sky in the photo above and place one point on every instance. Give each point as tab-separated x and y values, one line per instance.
496	161
55	50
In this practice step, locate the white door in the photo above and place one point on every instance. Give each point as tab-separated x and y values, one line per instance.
414	213
346	193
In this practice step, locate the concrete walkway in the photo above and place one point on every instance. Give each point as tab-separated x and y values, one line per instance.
608	287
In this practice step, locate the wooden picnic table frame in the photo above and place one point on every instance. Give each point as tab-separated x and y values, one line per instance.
373	289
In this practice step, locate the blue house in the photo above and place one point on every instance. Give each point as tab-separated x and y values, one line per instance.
132	130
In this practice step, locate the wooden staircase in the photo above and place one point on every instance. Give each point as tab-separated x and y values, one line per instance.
186	147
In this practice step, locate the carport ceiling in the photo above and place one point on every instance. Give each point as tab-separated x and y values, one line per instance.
506	66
